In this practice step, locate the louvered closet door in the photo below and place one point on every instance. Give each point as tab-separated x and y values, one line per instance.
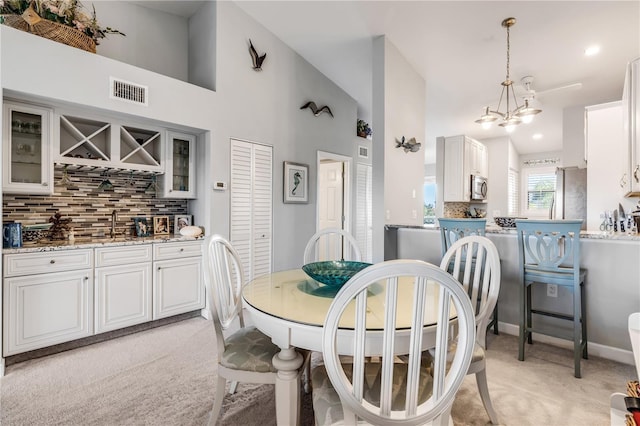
364	221
251	205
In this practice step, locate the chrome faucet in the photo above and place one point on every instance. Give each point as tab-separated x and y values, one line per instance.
113	224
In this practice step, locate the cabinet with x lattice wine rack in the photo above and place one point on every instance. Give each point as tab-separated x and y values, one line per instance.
96	142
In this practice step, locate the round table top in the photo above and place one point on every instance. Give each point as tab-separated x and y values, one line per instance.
293	296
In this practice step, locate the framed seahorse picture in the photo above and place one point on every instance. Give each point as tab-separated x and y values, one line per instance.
296	183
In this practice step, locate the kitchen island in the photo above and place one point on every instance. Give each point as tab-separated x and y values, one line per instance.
612	284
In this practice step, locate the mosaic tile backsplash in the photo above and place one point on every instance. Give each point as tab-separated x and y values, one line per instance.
89	207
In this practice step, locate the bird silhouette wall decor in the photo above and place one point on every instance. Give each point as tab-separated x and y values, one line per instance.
257	60
409	146
317	111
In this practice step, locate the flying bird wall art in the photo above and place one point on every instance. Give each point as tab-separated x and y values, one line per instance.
257	60
410	145
317	111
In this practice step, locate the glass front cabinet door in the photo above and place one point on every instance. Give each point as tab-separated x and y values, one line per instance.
179	177
27	166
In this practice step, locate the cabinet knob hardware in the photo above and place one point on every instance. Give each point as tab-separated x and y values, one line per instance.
159	268
45	184
182	249
52	261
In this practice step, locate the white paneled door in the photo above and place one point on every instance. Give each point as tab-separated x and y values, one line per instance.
252	205
364	221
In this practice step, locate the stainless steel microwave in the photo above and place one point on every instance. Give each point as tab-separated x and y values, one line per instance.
478	188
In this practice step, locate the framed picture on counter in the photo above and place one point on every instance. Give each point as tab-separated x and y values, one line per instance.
180	221
142	227
160	225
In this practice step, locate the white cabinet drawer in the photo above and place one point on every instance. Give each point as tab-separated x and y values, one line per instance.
165	251
122	255
46	262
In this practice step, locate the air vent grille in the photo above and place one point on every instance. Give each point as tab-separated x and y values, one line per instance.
363	151
128	92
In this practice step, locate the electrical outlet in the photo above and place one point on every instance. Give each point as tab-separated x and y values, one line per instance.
414	214
552	290
388	215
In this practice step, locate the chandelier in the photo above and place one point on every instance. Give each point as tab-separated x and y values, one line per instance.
520	113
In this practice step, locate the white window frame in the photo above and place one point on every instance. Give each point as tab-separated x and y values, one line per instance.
524	210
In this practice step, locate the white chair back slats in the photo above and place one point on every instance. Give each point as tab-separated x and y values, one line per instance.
476	266
226	271
332	244
400	339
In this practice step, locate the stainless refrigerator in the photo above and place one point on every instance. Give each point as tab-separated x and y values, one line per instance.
571	195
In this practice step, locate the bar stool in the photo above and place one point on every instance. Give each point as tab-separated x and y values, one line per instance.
549	253
451	230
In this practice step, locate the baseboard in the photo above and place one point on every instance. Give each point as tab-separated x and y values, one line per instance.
596	349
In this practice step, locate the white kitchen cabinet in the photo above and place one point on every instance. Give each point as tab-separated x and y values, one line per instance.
631	121
45	309
177	278
607	160
123	286
26	167
179	180
463	157
96	141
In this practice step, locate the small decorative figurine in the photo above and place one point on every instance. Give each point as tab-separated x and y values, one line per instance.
317	111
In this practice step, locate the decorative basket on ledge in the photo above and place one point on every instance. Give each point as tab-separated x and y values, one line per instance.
32	23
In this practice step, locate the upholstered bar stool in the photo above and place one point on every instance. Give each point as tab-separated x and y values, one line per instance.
451	230
549	253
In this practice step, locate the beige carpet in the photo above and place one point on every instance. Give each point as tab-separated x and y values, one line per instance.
165	376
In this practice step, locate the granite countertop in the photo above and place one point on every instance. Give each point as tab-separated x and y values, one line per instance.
84	243
494	229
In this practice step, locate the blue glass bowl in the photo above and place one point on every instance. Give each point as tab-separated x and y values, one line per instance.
333	273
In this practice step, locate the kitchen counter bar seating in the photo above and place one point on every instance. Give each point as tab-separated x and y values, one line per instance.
549	253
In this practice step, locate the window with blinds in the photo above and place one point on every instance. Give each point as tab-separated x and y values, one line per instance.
540	187
513	192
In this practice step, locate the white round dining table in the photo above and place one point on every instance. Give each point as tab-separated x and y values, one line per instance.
290	307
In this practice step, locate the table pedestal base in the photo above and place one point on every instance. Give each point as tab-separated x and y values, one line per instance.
288	362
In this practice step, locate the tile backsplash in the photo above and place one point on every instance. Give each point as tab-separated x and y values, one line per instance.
455	209
89	207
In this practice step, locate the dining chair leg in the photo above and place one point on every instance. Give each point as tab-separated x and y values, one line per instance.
481	380
217	401
523	321
528	329
233	387
577	331
495	320
583	320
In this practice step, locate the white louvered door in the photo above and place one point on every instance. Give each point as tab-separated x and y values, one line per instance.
364	224
251	206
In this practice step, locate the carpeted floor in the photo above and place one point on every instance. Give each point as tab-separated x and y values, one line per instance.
165	376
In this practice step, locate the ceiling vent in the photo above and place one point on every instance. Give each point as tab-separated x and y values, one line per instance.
128	92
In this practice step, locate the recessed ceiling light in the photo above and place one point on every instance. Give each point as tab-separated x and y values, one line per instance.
537	136
592	50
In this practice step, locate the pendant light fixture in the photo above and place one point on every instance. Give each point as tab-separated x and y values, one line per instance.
520	113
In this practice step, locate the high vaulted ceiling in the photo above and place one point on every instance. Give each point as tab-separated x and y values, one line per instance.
459	48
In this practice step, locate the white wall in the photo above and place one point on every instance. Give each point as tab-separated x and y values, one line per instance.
155	41
265	107
573	152
404	116
202	46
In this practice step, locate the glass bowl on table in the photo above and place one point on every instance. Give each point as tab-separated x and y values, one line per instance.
332	274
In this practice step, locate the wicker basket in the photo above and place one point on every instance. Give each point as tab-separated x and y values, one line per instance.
30	22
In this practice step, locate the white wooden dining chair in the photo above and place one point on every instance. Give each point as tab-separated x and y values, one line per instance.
332	244
480	279
388	392
244	355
